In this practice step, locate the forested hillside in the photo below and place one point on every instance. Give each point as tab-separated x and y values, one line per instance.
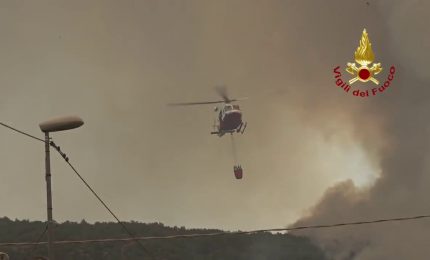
255	246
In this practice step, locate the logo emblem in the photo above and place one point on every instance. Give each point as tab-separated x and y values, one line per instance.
364	56
364	70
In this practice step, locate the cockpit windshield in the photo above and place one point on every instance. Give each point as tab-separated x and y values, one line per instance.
236	107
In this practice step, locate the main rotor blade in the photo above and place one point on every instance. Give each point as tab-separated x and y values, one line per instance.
237	99
196	103
222	91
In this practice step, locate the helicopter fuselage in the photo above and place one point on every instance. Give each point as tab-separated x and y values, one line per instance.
229	120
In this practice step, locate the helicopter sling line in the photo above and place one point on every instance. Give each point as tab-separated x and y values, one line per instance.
57	148
224	233
237	168
233	148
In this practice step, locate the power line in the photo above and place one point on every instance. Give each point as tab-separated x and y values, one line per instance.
57	148
223	233
29	255
21	132
100	200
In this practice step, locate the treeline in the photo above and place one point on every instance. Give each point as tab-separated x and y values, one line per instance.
254	246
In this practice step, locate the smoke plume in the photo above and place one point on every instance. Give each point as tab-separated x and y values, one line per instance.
394	129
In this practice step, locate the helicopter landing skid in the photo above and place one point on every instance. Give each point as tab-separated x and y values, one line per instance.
220	134
241	128
244	127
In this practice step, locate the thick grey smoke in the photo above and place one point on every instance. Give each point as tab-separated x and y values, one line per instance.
401	148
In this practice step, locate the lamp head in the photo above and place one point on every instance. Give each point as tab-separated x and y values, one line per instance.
61	124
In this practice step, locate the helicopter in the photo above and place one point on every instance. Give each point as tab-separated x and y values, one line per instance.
229	119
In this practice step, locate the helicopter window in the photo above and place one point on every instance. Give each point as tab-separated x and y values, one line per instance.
236	107
227	108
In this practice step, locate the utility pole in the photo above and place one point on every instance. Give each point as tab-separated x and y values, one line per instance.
54	125
51	255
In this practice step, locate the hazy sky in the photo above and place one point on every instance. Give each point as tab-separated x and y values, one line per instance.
118	63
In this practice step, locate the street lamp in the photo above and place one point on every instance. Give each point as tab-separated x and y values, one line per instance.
54	125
